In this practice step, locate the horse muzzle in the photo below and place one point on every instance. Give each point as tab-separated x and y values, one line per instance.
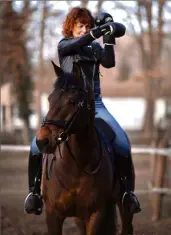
46	140
42	143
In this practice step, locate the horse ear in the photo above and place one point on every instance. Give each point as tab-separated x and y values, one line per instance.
76	71
58	70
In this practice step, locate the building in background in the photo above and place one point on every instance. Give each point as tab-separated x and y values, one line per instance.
126	106
124	98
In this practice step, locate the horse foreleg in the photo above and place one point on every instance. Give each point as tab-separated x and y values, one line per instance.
126	219
80	224
54	223
103	222
93	223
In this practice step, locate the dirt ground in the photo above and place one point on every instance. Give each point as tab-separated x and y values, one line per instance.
13	182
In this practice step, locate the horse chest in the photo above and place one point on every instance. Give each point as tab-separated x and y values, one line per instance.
77	200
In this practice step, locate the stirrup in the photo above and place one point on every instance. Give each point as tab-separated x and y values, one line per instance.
136	207
35	206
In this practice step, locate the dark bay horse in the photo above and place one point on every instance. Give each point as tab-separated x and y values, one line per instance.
77	179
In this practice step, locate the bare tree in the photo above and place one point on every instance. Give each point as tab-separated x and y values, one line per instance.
41	60
15	63
45	31
125	69
84	3
99	5
150	40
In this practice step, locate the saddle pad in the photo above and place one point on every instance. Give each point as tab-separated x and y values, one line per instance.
105	128
107	135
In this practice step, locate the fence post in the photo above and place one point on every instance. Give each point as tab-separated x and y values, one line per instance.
157	198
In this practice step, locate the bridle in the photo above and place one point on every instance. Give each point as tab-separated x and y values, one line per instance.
67	126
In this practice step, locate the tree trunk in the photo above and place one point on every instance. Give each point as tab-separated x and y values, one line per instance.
40	76
84	3
148	125
26	133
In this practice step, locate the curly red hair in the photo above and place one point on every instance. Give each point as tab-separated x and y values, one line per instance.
77	14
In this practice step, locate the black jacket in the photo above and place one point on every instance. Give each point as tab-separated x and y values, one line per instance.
89	55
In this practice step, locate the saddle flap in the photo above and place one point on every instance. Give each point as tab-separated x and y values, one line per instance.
108	136
106	129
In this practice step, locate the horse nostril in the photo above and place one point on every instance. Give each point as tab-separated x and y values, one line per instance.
42	143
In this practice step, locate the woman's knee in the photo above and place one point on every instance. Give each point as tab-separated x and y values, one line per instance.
34	148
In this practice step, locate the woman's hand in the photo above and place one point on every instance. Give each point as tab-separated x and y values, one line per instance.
106	29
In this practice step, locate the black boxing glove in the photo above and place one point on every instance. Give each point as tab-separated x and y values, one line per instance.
111	28
106	29
119	32
102	18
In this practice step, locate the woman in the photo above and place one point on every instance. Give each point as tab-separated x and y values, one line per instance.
78	46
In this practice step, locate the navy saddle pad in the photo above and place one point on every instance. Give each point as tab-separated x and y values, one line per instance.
107	135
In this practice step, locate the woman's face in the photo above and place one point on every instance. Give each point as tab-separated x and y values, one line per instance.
80	29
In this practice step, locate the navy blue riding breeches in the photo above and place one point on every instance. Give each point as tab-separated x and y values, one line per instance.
120	143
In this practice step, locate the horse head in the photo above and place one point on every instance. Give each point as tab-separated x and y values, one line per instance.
71	104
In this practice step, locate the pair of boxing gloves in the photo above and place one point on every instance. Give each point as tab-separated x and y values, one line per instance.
106	27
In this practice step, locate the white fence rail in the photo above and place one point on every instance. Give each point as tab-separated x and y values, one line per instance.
135	150
15	148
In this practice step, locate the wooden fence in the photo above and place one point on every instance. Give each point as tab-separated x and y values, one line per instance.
156	189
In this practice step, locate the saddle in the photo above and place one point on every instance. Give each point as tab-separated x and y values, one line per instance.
107	135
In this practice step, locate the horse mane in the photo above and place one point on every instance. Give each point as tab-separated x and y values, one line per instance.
67	80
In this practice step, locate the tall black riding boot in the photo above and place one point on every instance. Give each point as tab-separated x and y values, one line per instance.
130	202
33	202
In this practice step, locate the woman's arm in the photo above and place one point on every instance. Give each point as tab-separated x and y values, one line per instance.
107	58
72	45
106	55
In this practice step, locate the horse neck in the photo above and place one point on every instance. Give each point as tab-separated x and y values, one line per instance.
86	139
82	146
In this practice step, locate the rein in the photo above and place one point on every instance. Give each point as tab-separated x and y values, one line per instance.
63	136
67	124
86	171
